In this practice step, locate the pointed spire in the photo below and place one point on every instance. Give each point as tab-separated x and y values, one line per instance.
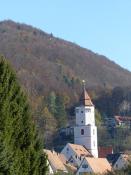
85	99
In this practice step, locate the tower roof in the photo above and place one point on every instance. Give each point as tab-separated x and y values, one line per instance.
85	99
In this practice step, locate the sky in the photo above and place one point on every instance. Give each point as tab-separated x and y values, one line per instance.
103	26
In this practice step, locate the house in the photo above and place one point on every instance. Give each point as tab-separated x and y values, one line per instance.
123	121
110	122
122	161
112	158
93	165
55	163
66	132
75	153
71	169
118	160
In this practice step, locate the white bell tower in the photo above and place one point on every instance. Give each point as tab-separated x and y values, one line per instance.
85	131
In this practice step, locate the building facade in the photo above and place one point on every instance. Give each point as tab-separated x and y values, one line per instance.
75	154
94	165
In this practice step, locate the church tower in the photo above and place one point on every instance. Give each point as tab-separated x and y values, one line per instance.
85	131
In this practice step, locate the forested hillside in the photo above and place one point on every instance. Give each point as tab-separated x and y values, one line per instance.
44	62
51	69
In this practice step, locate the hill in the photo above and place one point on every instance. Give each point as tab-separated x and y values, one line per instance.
44	62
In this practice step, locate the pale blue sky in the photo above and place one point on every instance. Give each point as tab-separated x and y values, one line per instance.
103	26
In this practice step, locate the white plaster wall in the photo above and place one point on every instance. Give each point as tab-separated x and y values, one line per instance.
88	131
85	115
89	139
120	163
50	170
68	152
90	116
94	152
83	170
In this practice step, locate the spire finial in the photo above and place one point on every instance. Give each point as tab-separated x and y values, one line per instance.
85	99
84	83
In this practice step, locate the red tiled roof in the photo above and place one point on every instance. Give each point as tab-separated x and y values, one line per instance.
79	150
104	151
85	99
122	118
99	165
55	160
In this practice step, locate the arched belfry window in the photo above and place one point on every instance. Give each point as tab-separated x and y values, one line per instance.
82	131
87	110
94	143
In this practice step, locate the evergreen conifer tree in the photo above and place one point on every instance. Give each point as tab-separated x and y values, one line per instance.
20	148
60	113
51	103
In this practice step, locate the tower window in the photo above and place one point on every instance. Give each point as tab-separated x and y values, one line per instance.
82	131
94	143
77	110
81	111
87	110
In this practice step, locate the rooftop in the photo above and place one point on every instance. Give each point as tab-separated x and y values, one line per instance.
112	158
98	165
80	150
104	151
55	160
